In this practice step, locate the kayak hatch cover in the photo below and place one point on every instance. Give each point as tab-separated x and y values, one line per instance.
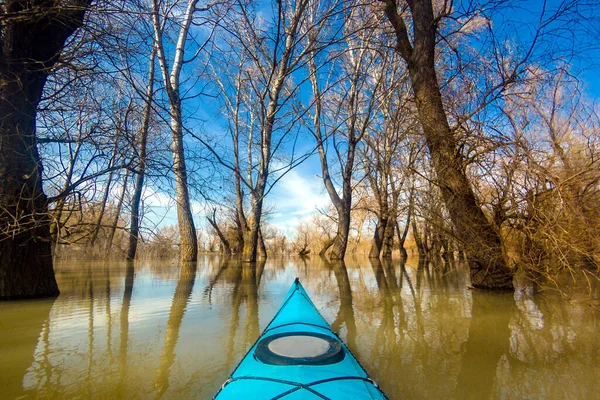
298	356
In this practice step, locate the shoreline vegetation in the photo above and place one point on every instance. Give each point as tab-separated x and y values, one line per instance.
456	132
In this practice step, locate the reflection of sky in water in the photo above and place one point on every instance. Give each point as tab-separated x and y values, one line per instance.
419	332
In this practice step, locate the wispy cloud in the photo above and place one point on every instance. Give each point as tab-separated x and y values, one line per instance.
296	197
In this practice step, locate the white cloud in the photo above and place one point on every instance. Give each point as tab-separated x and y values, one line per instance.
296	199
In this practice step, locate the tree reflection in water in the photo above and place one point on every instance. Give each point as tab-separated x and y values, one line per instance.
345	314
183	292
124	330
414	326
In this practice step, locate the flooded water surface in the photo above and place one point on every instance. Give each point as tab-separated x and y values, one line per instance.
156	329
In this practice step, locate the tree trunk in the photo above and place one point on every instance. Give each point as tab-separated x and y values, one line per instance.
417	238
115	222
29	47
340	241
342	203
188	242
402	236
134	225
326	247
378	237
224	241
262	249
482	243
251	241
98	225
388	237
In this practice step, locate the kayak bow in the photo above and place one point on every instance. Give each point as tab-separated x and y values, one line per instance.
298	356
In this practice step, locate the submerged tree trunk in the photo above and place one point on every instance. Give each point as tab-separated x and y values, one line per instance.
251	240
482	243
325	247
402	236
388	236
115	222
340	241
224	242
262	249
378	237
342	203
188	242
134	225
418	240
30	45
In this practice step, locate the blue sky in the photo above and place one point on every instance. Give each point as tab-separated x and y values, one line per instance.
298	194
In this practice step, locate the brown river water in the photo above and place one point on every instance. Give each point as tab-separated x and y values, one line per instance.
155	330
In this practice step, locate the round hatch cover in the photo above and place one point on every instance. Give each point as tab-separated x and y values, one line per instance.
299	348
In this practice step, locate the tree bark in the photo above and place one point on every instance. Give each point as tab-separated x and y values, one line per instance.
387	244
115	222
134	225
378	237
417	237
224	241
482	243
262	249
30	45
342	203
188	242
325	247
402	235
103	201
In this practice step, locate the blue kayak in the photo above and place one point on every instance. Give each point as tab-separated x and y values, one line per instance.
298	356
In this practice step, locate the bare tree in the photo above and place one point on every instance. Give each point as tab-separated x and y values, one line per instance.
171	79
134	225
32	36
260	56
483	244
343	114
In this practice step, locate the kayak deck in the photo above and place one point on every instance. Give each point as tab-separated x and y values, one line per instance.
272	369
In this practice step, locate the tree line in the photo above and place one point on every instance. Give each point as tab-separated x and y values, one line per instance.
464	127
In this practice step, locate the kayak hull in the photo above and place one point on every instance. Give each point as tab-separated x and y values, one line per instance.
339	376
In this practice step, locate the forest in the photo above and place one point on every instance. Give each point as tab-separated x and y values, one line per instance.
449	129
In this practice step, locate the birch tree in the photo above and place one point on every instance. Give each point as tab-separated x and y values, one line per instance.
171	73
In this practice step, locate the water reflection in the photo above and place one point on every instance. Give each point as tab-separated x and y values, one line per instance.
22	326
181	298
124	328
168	331
490	314
345	314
